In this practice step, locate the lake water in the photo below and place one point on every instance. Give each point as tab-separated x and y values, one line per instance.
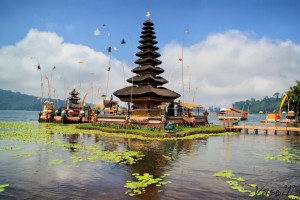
191	165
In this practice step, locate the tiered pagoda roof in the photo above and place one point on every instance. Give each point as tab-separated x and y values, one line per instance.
147	84
74	97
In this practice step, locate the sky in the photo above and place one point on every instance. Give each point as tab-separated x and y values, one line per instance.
233	50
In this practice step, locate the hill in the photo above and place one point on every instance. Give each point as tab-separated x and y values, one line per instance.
266	105
17	101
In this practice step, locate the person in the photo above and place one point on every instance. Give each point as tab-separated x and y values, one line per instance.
179	110
171	111
111	101
205	113
148	107
189	110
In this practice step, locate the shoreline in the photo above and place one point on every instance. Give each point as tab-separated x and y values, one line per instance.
183	133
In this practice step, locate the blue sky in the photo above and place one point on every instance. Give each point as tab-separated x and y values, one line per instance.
274	22
75	20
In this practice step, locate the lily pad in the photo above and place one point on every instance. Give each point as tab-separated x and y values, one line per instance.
3	186
143	181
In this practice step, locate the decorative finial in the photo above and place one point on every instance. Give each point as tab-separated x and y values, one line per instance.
148	15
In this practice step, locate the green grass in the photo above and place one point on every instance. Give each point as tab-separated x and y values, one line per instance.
182	132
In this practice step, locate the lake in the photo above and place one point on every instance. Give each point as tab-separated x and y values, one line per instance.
28	166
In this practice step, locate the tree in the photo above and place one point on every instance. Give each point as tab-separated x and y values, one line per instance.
294	97
276	95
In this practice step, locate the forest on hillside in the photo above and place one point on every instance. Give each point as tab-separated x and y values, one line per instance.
272	104
265	105
16	101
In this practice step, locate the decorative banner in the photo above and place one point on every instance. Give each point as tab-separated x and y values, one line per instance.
97	32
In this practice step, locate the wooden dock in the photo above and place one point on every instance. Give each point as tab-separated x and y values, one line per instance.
266	129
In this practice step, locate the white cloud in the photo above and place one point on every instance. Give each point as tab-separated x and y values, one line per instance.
232	66
225	67
19	71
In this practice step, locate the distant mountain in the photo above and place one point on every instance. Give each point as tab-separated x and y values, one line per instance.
16	101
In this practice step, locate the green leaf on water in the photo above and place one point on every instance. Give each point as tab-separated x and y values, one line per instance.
143	181
3	186
294	197
224	173
55	162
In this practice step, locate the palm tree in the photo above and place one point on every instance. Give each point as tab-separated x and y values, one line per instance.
294	96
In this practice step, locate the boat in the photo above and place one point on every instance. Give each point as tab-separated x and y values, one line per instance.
234	114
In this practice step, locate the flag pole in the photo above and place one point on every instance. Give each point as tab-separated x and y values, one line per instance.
182	80
109	62
189	100
186	31
41	76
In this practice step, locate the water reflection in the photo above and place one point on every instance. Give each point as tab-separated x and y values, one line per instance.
191	165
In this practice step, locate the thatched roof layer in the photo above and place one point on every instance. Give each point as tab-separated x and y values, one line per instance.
147	68
145	90
147	78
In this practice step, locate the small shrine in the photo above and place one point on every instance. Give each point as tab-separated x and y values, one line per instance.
147	92
74	98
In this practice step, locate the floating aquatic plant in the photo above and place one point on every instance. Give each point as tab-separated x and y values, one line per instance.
23	155
10	148
123	157
55	161
284	154
25	132
139	187
224	173
3	186
238	184
42	134
291	196
252	185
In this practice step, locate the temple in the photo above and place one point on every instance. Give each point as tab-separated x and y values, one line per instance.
148	102
146	92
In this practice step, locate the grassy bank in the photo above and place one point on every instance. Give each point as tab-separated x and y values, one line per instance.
182	132
33	131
